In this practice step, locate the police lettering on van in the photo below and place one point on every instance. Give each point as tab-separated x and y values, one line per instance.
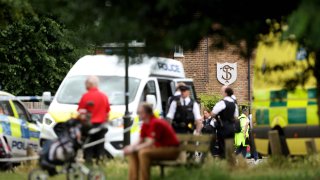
20	145
167	67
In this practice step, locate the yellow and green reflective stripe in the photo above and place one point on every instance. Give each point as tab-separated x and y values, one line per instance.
278	98
297	116
312	117
34	139
278	116
262	116
14	110
312	95
15	127
297	98
261	98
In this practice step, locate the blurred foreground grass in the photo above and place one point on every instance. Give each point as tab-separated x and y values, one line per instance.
273	168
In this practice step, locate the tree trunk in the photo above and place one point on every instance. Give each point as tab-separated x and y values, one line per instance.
317	76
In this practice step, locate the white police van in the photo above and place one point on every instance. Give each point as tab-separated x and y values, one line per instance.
151	79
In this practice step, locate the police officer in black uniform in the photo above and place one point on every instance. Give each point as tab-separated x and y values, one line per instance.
184	113
226	112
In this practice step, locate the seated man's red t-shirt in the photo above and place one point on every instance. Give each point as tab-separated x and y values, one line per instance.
161	131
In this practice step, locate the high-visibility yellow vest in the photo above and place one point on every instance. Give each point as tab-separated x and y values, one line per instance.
239	137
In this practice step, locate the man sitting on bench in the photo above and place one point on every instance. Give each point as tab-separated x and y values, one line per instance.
158	141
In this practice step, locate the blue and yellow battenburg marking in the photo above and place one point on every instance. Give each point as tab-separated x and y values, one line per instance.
18	128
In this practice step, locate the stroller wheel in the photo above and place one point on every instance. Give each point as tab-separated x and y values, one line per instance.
37	174
96	174
75	174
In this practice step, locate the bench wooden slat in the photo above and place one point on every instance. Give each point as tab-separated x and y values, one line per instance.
189	143
191	137
195	147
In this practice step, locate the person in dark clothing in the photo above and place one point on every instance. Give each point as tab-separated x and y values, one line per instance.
208	123
184	113
226	111
209	127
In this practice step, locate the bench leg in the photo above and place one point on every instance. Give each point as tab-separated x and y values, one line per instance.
161	171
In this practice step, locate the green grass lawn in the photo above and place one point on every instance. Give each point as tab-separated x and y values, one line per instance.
281	168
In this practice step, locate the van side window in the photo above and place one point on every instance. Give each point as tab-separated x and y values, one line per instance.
21	111
6	108
149	89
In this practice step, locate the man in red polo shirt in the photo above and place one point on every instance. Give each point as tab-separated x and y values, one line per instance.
158	141
96	103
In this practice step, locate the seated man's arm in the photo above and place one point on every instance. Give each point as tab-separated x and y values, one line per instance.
148	142
130	148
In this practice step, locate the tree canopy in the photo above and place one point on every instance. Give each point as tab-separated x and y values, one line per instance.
162	24
36	51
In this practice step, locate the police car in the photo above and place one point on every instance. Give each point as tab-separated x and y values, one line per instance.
18	130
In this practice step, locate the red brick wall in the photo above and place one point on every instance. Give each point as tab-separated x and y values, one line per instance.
201	65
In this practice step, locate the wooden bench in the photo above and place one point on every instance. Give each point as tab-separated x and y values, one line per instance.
189	145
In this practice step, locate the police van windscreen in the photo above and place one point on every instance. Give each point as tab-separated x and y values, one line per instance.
74	87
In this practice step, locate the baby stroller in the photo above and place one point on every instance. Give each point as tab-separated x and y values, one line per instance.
63	151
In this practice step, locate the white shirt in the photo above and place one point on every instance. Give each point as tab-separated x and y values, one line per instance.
221	105
173	108
250	121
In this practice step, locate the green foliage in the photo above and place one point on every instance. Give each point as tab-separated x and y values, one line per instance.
209	100
304	24
162	24
270	168
36	52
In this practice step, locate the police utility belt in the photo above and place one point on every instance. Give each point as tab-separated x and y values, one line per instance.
182	125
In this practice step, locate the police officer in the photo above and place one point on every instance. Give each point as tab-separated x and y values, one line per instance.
184	113
225	111
175	96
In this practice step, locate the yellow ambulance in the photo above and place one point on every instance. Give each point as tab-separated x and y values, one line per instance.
278	102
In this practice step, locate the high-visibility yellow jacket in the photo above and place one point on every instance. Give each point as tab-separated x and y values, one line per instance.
239	137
